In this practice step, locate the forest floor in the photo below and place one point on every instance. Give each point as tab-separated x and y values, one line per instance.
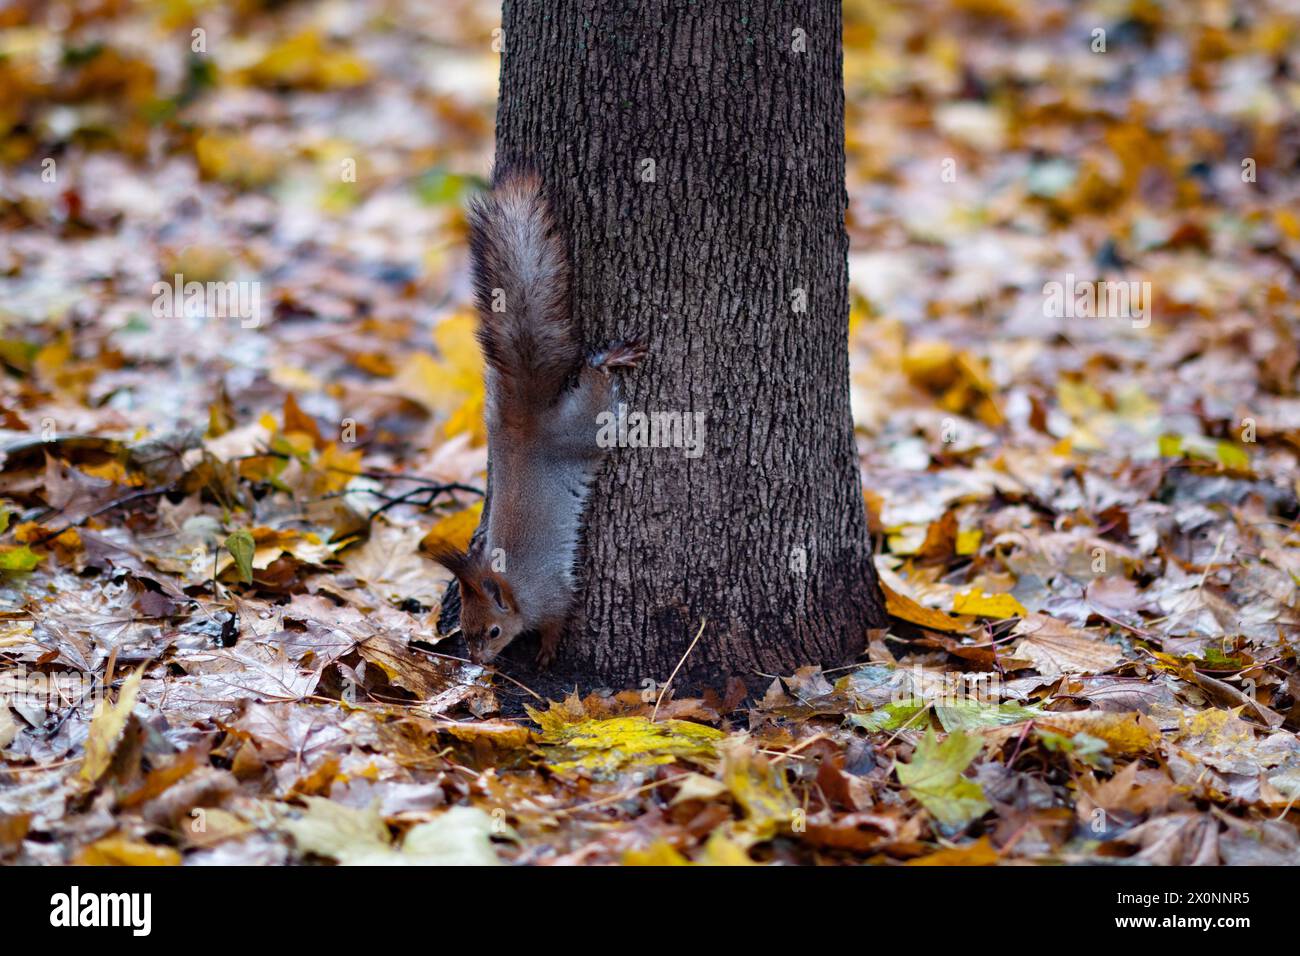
217	638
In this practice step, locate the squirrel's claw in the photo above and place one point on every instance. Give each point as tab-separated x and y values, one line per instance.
620	355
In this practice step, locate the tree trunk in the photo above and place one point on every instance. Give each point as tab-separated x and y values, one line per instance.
694	156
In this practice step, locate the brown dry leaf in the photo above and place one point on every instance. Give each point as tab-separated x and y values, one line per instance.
1181	839
863	831
304	733
1056	648
296	420
427	678
391	564
1125	792
940	542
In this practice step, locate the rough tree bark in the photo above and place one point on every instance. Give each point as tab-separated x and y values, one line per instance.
694	155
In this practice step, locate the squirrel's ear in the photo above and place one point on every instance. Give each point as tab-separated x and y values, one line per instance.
499	591
455	561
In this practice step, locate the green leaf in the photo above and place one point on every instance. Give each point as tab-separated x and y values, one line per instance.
4	518
1232	456
21	558
934	778
895	714
440	187
1226	453
1091	750
975	715
241	548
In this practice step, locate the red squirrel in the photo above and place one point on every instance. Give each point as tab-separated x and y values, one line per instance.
543	396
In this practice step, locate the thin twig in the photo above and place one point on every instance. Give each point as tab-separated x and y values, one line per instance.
152	492
622	795
654	716
451	657
794	751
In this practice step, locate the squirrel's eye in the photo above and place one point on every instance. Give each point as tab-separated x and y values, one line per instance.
495	632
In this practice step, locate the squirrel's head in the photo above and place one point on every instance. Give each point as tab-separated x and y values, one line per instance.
489	616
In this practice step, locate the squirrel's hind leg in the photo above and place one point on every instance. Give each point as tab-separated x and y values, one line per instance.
550	643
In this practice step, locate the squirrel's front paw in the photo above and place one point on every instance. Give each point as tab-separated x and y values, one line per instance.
620	355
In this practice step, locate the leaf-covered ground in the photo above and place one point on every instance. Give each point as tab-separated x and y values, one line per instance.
217	638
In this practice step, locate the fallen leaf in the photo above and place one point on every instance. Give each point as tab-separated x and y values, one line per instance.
1056	648
934	778
999	606
1124	733
454	531
8	726
658	853
459	836
979	853
106	727
904	608
120	851
241	548
606	746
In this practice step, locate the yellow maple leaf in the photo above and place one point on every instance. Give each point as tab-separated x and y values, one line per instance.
335	468
968	541
112	470
232	158
999	606
659	853
451	385
722	850
1123	732
305	60
454	530
904	608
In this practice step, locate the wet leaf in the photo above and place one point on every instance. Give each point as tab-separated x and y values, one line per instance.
934	778
107	725
606	746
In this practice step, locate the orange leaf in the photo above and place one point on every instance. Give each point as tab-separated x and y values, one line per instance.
905	609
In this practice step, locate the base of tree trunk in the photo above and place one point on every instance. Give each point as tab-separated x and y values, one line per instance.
693	157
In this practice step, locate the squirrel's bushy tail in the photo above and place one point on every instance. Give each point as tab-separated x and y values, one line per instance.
521	289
